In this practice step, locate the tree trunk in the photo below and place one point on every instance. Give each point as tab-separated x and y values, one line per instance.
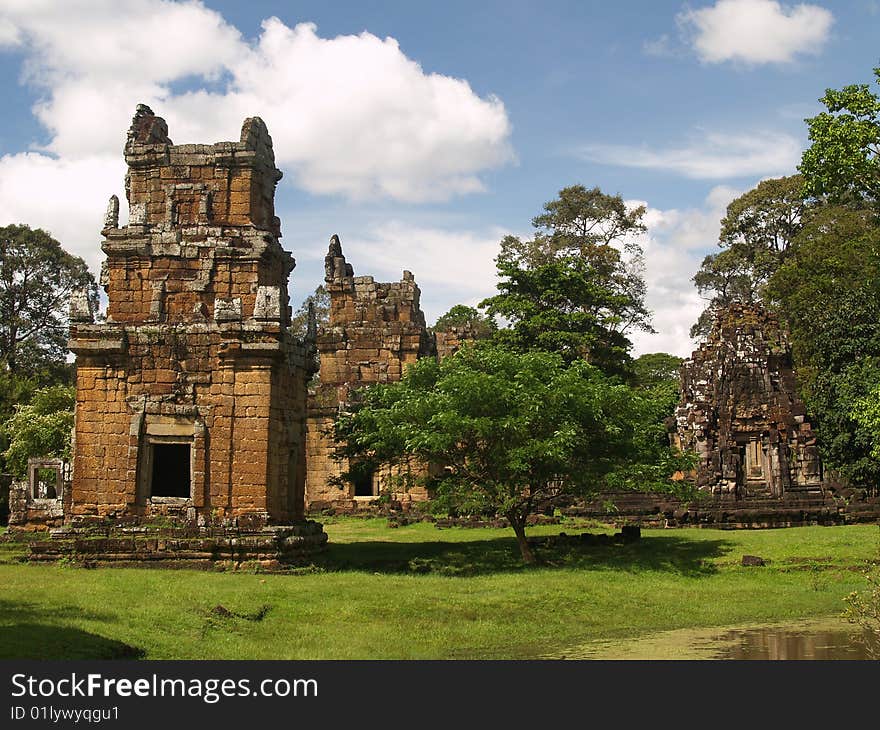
519	528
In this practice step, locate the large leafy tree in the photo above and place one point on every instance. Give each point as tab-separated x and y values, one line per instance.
42	428
37	277
469	318
576	288
843	160
756	237
319	302
829	293
512	432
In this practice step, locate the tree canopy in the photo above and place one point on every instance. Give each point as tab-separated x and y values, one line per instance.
41	428
464	317
843	159
756	238
511	431
37	277
829	294
576	288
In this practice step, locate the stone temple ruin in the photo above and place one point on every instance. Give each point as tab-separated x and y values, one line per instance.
193	404
191	395
375	330
201	436
740	411
758	462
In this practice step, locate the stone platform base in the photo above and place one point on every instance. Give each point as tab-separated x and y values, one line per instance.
728	512
273	548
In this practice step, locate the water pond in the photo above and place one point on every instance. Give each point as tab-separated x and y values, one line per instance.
823	639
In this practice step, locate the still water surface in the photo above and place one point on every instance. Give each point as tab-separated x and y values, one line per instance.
824	639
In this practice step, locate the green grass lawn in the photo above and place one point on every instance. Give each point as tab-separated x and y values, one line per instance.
417	592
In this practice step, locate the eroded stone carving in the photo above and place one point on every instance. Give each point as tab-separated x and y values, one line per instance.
111	217
81	306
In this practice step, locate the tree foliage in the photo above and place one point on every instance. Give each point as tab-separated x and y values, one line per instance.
829	293
463	317
320	303
756	236
843	159
576	288
512	432
42	428
656	368
37	277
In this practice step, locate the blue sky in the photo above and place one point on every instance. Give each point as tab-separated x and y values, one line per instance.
421	133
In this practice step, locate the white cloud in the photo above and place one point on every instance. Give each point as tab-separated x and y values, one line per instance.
756	31
350	115
8	34
712	155
450	266
66	198
675	244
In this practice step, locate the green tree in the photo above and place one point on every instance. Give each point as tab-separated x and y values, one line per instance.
829	292
512	431
576	288
37	277
320	303
656	374
464	317
656	368
756	238
42	428
843	159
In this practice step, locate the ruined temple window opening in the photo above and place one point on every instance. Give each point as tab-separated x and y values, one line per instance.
171	472
45	482
363	481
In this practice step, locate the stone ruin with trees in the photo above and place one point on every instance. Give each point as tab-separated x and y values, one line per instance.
197	402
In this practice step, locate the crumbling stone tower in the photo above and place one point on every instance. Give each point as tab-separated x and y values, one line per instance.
374	331
740	410
191	395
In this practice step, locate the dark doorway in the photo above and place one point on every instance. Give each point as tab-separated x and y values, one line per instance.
171	471
362	478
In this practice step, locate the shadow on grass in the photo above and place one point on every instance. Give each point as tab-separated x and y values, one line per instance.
501	555
30	631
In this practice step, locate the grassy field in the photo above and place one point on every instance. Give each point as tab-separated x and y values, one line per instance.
418	592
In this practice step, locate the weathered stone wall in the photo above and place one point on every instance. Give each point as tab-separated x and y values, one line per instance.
374	331
195	348
740	410
450	341
36	503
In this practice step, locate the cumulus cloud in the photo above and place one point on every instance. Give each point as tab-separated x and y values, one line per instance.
67	198
350	115
710	155
8	34
450	266
755	31
675	244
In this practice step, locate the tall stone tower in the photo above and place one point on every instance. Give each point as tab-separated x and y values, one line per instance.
191	395
375	331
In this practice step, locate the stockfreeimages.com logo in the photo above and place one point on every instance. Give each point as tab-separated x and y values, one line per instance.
208	690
